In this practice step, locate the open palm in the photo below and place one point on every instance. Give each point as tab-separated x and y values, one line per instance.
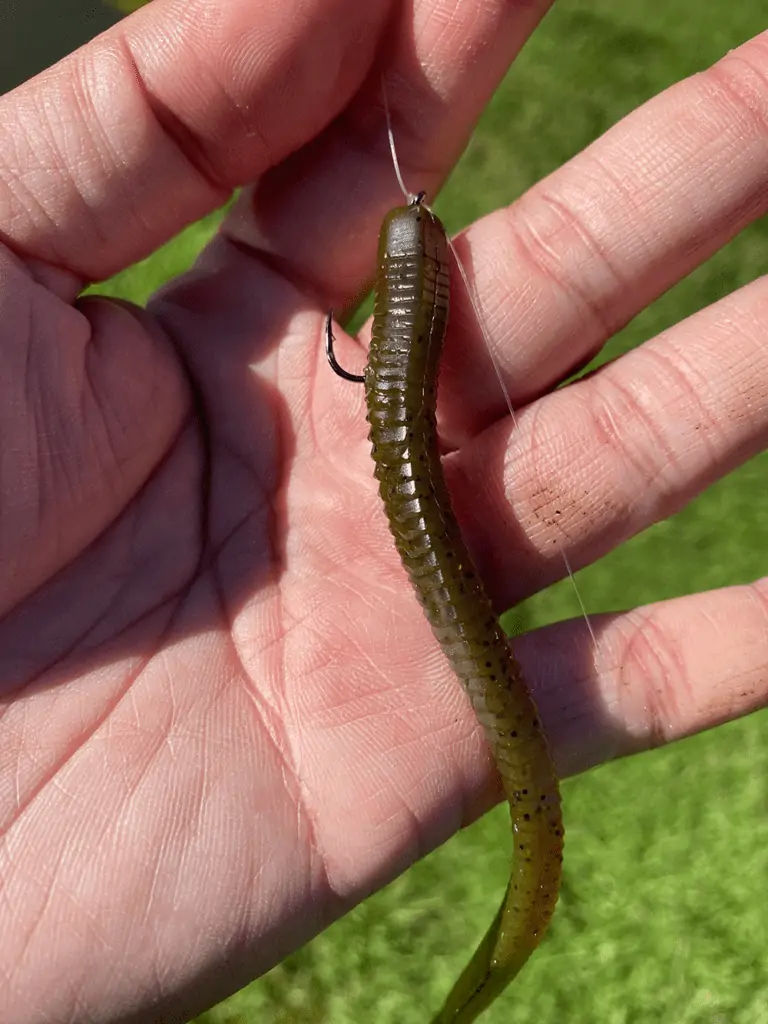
223	719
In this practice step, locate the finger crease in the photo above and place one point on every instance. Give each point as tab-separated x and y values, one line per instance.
550	262
183	139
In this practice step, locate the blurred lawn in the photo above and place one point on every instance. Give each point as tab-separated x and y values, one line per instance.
662	917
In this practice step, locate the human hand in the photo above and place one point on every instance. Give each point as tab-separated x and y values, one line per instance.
224	720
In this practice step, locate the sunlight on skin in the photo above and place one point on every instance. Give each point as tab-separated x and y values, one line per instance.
224	721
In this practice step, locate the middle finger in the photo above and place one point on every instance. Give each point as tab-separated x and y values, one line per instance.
571	262
318	214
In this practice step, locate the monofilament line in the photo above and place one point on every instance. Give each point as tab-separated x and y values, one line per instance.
489	348
409	196
497	368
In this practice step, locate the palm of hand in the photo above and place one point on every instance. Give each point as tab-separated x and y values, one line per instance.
218	610
215	650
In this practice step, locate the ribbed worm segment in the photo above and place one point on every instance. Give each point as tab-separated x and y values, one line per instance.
410	318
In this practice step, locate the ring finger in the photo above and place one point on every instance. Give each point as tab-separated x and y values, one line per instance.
587	467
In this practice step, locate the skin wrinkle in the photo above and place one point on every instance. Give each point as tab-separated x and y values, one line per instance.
271	550
279	736
545	258
96	144
28	328
697	395
52	458
129	797
28	204
653	659
22	751
331	720
340	887
615	393
289	750
471	42
91	395
760	588
308	289
747	103
749	402
539	257
543	495
62	470
173	129
319	454
149	613
320	873
33	421
556	506
6	978
636	217
732	707
158	738
102	141
412	845
79	640
369	534
359	593
6	827
58	157
626	449
47	896
215	551
719	84
91	922
445	20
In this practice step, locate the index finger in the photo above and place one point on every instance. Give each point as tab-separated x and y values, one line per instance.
115	149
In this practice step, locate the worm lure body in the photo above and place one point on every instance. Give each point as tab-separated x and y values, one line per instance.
410	319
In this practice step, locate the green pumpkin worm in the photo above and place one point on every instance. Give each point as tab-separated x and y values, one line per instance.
409	323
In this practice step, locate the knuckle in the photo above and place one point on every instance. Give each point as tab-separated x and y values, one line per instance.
559	245
740	85
651	682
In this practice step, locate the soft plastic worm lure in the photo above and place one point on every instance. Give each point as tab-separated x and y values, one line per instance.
409	323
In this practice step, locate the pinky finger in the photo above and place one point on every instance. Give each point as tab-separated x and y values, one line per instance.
654	675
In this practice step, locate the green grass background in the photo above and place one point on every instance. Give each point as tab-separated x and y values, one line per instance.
662	916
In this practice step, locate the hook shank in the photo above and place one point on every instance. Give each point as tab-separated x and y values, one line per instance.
356	378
